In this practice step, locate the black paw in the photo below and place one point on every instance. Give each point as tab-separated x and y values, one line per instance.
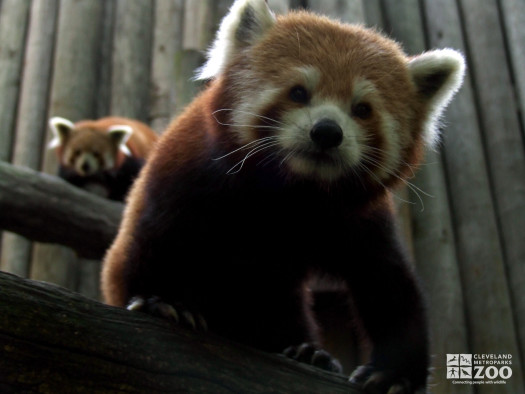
374	381
310	354
176	313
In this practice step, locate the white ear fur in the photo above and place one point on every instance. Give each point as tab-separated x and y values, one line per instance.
61	129
120	135
244	24
438	76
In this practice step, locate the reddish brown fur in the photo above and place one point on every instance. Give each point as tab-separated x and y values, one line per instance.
174	241
140	143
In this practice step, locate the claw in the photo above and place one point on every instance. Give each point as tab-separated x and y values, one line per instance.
202	322
136	304
188	318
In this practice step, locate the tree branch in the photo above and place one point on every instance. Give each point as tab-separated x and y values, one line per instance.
45	208
54	340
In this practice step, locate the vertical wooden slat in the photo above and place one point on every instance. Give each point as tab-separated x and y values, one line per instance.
197	36
87	271
132	59
513	14
504	143
73	95
31	121
13	22
279	6
373	13
433	234
347	11
167	41
298	4
103	88
488	307
220	9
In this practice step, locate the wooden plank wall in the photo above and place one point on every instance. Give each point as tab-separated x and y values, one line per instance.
89	58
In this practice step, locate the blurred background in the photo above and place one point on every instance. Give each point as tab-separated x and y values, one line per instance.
84	59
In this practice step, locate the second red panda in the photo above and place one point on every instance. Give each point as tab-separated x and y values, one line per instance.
280	170
102	156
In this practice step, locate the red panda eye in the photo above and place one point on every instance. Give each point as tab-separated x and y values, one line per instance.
299	94
362	110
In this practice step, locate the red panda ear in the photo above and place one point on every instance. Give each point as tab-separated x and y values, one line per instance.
119	137
61	129
245	24
438	75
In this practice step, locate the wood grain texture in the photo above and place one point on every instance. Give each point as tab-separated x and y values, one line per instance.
91	347
132	43
433	233
31	122
73	95
47	209
167	34
488	306
13	25
504	144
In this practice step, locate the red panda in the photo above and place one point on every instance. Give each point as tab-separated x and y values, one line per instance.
281	169
102	156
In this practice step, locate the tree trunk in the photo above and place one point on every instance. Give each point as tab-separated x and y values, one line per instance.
53	340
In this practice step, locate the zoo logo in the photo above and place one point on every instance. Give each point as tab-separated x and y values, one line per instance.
460	366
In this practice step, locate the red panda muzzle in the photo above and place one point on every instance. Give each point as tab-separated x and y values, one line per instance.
326	134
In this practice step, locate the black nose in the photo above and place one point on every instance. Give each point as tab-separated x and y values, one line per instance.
85	166
326	134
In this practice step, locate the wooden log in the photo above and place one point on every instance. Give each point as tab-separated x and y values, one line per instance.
13	25
73	96
132	59
92	347
167	41
503	143
486	291
45	208
31	120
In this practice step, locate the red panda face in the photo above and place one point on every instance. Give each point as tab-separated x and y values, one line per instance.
88	150
328	100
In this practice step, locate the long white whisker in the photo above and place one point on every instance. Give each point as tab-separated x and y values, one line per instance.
247	112
390	172
254	151
410	185
287	157
258	141
382	184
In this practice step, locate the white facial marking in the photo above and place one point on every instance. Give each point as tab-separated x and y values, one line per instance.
243	118
306	158
86	164
387	160
310	76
